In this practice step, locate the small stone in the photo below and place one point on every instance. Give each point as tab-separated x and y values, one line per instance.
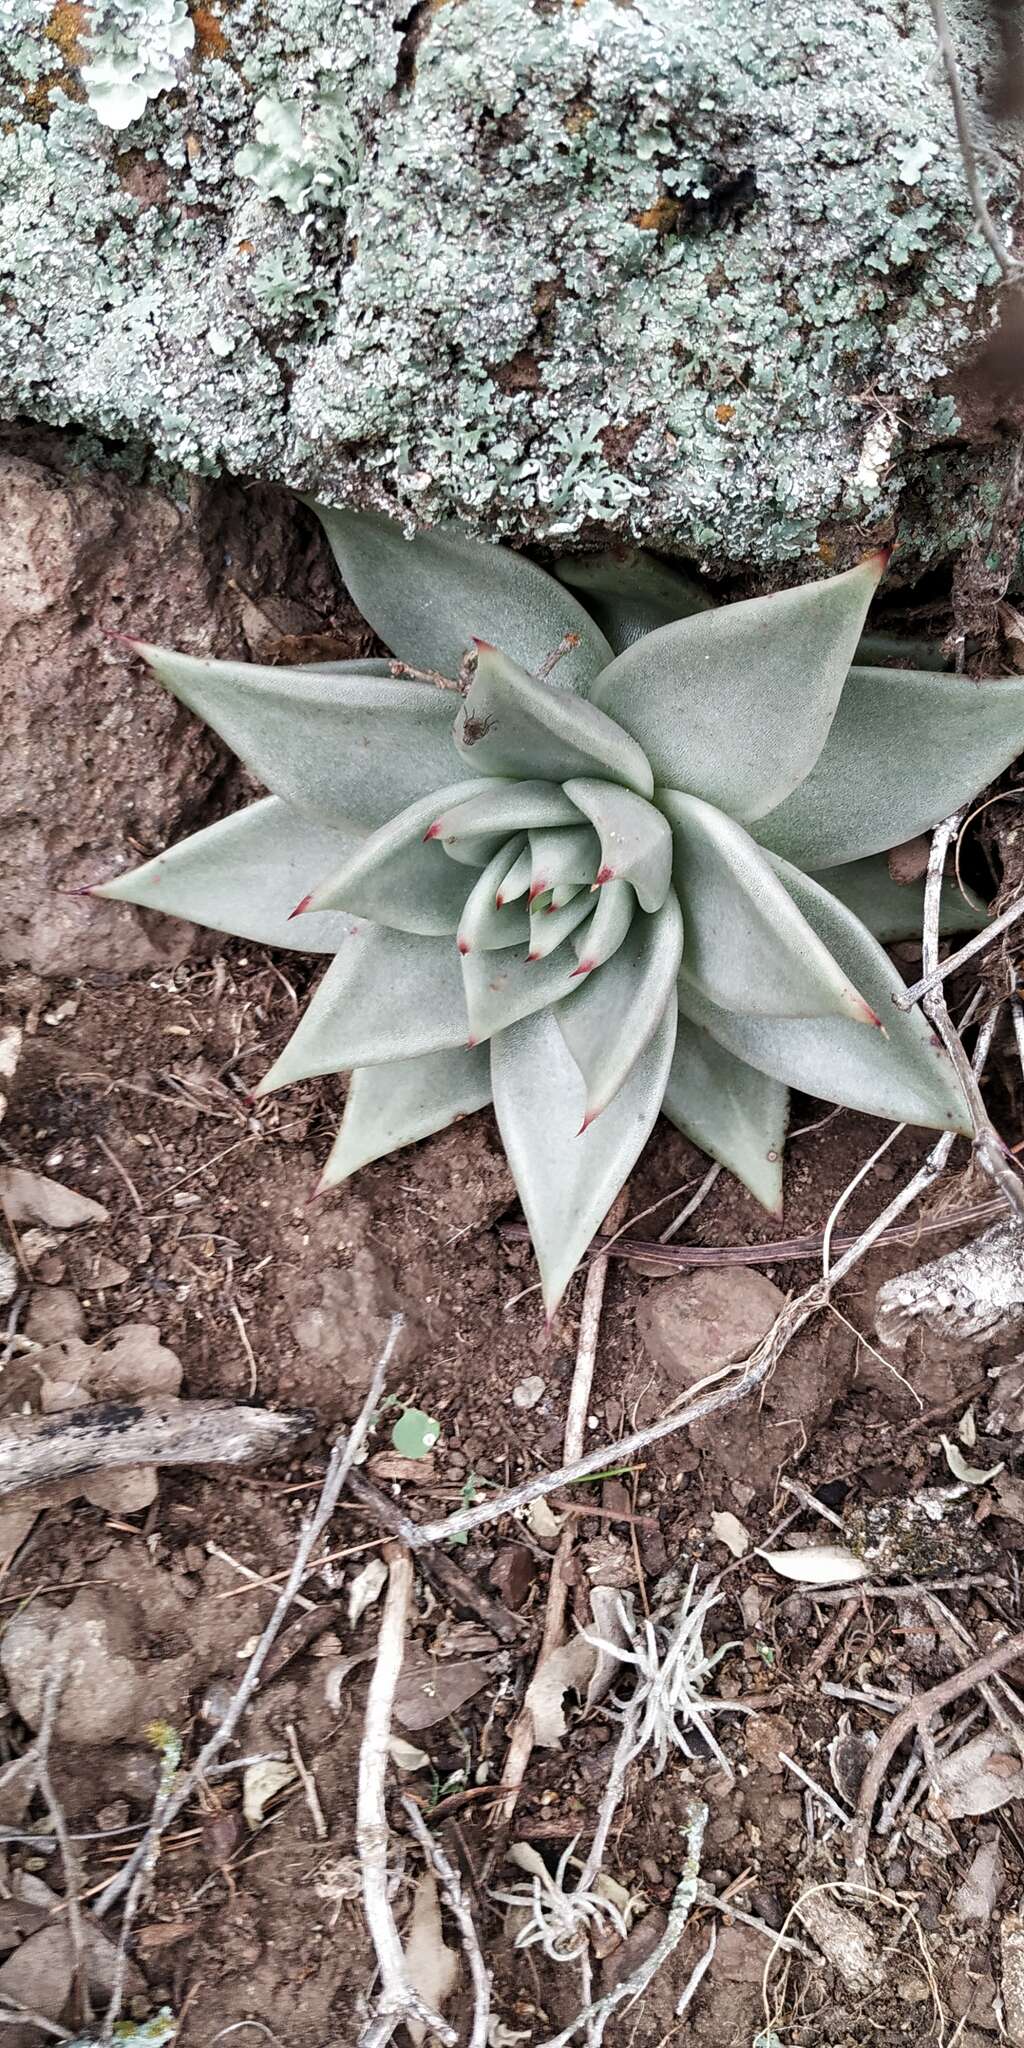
975	1898
54	1313
106	1695
512	1574
40	1973
764	1735
109	1272
528	1392
700	1321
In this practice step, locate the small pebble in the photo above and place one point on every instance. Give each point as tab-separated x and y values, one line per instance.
529	1391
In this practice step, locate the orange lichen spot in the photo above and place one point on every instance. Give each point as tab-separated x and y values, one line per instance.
660	218
579	114
725	413
66	27
827	550
244	248
210	38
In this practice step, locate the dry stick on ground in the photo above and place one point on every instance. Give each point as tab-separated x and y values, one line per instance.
649	1251
398	2000
447	1577
1011	270
112	1435
752	1371
980	940
595	2017
455	1900
916	1716
521	1735
136	1872
68	1854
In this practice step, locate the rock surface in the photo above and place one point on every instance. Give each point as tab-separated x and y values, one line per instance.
693	273
98	759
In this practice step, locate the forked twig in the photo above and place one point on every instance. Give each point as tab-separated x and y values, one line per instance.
170	1800
916	1715
455	1900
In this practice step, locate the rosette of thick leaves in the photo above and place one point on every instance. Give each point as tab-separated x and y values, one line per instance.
648	878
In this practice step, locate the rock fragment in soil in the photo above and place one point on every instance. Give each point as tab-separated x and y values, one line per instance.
845	1938
40	1973
1011	1947
33	1198
764	1736
54	1313
975	1897
966	1301
512	1574
107	1694
696	1323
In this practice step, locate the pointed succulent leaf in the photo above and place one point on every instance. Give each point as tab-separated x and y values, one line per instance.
517	881
636	843
747	946
902	1073
429	596
735	705
906	749
555	922
616	908
505	807
730	1110
568	1179
365	665
402	1101
612	1016
385	996
502	987
572	854
487	921
630	592
563	893
236	876
512	723
352	748
895	910
395	879
475	851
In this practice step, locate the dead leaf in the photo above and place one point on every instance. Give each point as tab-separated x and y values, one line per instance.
366	1587
433	1969
390	1466
428	1692
845	1938
406	1755
979	1777
31	1198
817	1564
260	1783
975	1898
969	1475
725	1528
577	1666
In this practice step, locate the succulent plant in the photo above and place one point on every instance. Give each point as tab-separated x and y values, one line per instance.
625	857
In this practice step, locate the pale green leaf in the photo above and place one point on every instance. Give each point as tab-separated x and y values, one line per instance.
512	723
352	748
415	1433
385	996
607	929
568	1179
502	987
517	881
430	596
566	854
734	705
505	807
395	879
402	1101
902	1073
747	946
238	876
563	893
557	921
906	749
730	1110
487	919
636	843
631	593
895	910
613	1014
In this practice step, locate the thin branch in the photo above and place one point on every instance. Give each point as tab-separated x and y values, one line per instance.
171	1800
68	1853
595	2017
398	2000
916	1716
980	940
1010	269
455	1900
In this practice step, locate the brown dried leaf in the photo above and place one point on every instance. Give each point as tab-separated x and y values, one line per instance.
433	1969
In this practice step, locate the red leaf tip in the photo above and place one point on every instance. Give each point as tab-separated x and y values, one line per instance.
585	967
463	945
300	907
482	646
603	875
433	831
537	889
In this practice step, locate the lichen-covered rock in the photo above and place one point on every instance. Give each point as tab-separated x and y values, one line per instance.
694	273
93	753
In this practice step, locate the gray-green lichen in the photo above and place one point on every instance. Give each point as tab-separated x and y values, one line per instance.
693	273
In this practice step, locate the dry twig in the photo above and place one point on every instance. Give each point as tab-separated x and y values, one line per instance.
455	1900
1010	268
110	1436
915	1716
68	1853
